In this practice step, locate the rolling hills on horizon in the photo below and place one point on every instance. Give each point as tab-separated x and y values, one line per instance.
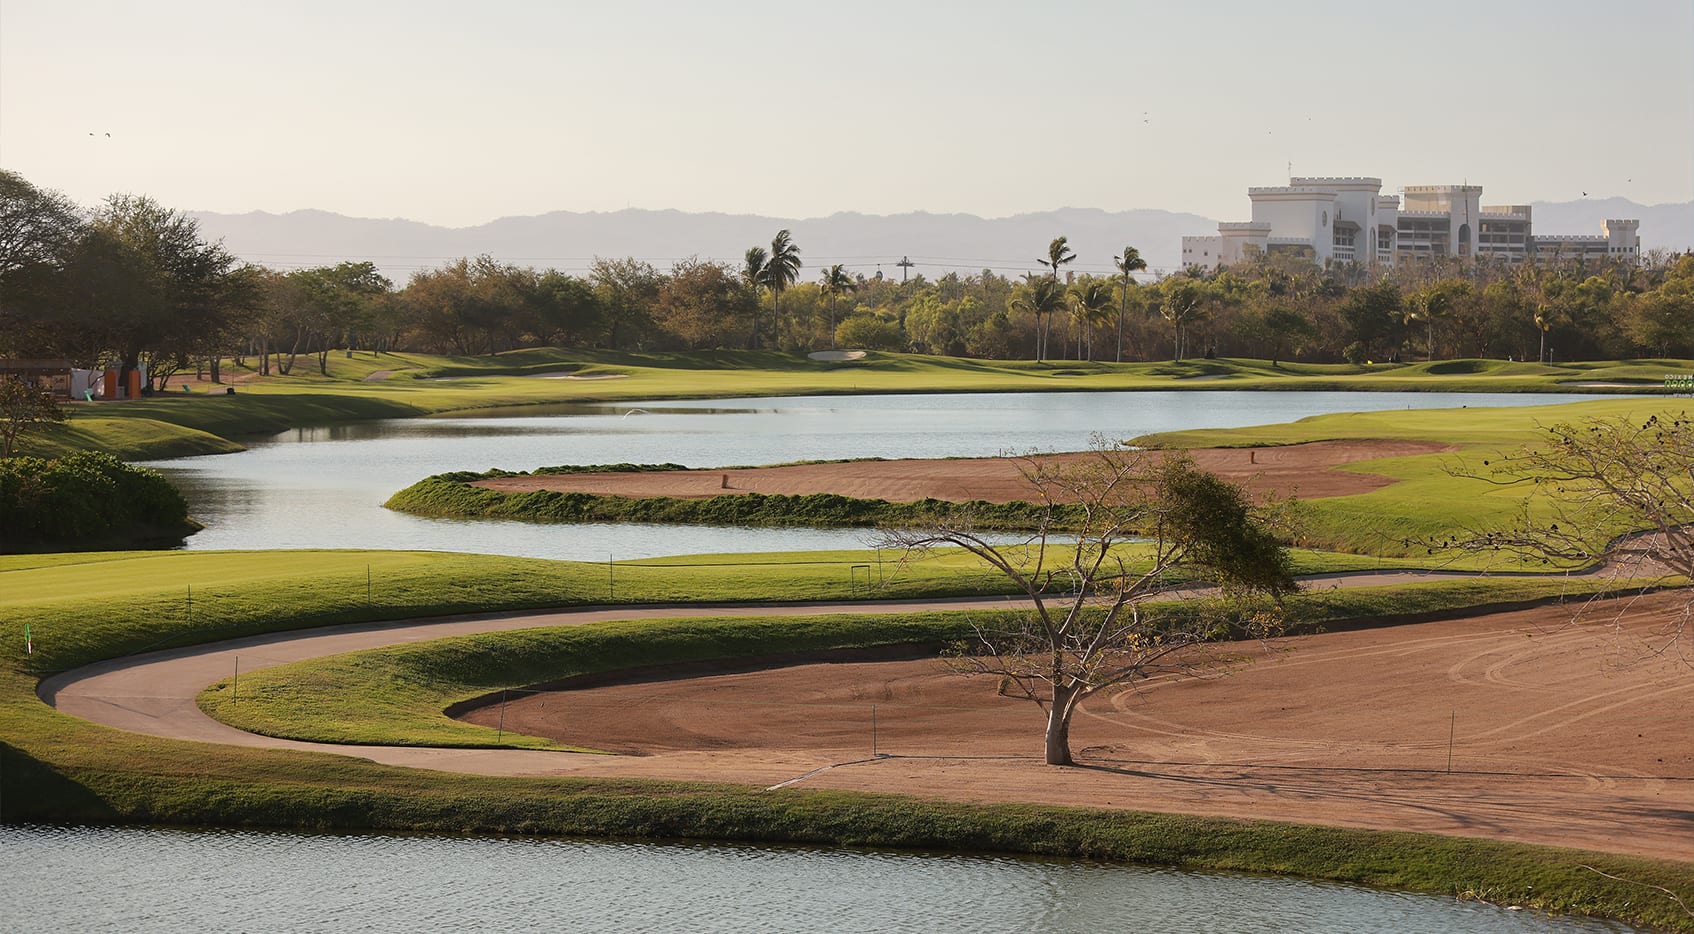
865	243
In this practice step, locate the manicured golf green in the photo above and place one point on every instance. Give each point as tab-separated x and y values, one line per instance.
1438	496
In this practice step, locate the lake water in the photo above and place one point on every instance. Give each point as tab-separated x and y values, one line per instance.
142	880
324	487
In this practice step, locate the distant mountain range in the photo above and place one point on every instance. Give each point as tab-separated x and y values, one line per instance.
935	243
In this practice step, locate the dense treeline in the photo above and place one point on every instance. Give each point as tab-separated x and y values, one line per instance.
86	500
132	282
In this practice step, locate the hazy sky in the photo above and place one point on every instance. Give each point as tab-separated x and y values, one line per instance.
458	112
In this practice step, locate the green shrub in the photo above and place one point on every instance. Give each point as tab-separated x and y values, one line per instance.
84	500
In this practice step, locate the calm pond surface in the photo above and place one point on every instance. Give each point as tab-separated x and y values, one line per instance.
324	487
139	880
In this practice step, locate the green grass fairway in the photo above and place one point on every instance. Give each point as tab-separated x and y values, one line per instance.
1429	502
82	607
172	424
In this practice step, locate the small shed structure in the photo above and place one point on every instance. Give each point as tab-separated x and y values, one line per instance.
54	375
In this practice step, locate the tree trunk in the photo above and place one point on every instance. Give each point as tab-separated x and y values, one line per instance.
1059	727
1122	310
217	374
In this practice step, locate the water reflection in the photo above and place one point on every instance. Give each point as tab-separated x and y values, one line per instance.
323	487
143	880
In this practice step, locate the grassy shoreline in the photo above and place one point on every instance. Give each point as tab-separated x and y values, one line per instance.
87	607
206	421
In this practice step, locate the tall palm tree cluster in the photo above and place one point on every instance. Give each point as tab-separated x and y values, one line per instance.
1089	300
775	270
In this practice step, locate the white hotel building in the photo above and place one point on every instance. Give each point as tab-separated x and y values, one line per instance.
1348	220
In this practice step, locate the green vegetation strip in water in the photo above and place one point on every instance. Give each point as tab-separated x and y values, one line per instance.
452	495
59	768
177	424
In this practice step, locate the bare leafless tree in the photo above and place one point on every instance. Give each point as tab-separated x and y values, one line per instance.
1118	527
1617	490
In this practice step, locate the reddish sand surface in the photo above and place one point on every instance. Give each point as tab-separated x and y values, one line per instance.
1296	469
1520	725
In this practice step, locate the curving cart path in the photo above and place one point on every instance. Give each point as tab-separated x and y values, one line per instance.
154	694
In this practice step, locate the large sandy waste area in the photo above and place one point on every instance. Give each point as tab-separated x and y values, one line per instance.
1298	469
1557	732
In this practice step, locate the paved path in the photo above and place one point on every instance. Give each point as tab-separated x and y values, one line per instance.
154	693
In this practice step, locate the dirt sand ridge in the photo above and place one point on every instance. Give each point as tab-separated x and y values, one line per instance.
1297	469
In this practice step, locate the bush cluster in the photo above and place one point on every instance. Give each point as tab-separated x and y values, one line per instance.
82	500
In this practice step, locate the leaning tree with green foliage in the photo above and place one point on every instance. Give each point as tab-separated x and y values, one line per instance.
1058	254
1182	302
834	283
1086	628
1128	264
1040	296
1091	304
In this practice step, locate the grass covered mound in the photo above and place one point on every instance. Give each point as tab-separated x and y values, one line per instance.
84	501
452	496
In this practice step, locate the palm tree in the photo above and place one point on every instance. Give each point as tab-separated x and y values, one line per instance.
1183	304
1091	303
1129	262
1058	254
1435	300
753	273
1040	296
834	283
781	271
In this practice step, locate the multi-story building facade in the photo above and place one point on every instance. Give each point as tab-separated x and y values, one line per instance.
1349	220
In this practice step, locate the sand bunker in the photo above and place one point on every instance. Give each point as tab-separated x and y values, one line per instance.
836	355
1560	733
1298	469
